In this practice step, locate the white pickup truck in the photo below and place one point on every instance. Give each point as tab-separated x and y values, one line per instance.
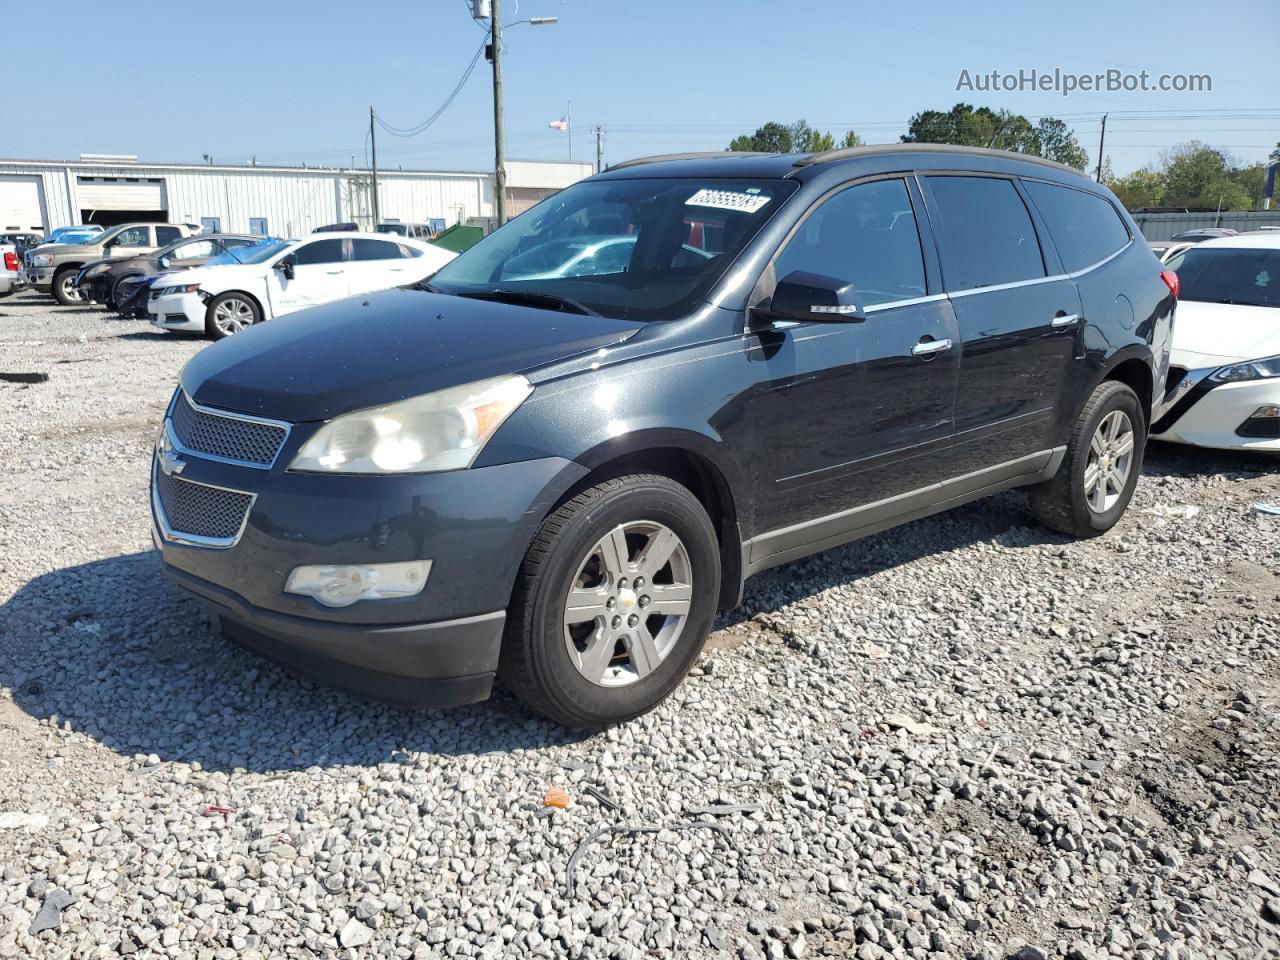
12	276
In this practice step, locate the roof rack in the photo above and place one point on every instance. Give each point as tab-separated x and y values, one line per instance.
843	153
701	155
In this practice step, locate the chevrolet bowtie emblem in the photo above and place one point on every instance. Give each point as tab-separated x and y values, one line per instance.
170	462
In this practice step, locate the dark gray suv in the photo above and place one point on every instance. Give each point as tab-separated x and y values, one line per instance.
554	461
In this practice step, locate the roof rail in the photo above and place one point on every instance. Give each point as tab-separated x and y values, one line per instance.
843	153
701	155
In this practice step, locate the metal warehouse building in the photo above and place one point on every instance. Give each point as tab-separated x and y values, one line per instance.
280	201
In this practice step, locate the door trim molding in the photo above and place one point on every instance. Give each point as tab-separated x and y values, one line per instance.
822	533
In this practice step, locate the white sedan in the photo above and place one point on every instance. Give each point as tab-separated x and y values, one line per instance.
1224	380
276	278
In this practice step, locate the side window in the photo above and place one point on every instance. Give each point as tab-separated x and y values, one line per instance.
865	235
134	237
194	250
321	251
987	237
167	235
362	249
1085	228
408	252
235	243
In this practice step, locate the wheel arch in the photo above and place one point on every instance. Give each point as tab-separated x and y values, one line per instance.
691	460
1133	368
257	301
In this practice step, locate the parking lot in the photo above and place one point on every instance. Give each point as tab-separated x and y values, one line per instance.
965	737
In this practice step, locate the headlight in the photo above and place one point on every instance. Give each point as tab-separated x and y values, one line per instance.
1249	370
42	260
187	288
445	430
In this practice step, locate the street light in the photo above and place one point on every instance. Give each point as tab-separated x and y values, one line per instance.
499	138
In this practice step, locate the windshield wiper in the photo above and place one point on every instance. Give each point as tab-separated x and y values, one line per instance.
563	304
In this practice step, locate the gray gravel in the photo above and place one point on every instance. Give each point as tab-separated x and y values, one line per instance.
964	738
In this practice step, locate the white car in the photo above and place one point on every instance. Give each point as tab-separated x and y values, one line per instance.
278	278
1224	379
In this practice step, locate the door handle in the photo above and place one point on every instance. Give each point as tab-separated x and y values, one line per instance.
1064	320
333	273
928	347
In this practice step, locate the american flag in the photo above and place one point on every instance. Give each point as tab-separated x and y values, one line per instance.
561	124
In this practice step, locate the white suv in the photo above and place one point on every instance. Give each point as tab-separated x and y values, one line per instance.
278	278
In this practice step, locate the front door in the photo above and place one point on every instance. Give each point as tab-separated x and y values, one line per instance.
848	414
319	276
1019	317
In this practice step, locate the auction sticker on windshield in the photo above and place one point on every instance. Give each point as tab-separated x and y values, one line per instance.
727	200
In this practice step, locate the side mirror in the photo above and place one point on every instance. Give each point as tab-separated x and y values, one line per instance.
285	266
815	298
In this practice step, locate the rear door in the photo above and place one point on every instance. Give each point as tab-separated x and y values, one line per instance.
319	276
853	413
1019	317
375	265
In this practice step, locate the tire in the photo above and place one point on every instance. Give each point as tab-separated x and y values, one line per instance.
1096	480
113	299
62	290
571	549
229	313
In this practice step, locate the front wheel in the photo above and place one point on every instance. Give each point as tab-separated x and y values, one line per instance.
64	287
228	314
613	602
1096	480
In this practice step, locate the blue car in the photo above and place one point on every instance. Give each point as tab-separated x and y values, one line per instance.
80	233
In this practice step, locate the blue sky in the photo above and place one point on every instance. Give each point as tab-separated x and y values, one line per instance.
291	82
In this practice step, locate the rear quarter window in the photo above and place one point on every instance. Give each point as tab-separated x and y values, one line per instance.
1084	227
987	237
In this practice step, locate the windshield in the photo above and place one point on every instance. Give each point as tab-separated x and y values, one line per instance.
259	254
1244	275
632	249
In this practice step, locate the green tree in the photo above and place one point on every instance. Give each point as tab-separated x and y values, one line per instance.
797	137
851	139
971	126
1142	188
1197	175
1253	180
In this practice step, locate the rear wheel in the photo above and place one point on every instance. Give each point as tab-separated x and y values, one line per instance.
118	291
613	603
228	314
64	288
1100	471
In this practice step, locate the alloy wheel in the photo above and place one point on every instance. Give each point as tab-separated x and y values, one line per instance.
1110	460
232	315
69	288
628	603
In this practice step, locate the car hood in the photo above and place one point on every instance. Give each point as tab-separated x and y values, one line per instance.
69	249
1211	334
366	351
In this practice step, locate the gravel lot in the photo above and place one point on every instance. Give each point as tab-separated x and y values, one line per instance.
965	738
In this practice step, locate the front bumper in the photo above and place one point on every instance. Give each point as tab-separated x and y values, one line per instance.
439	647
41	278
178	311
440	664
1214	415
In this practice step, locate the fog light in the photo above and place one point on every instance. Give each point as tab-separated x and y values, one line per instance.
342	586
1270	411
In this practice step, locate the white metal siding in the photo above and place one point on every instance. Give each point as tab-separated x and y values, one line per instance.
293	201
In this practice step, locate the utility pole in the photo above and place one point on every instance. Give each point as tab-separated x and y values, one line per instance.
599	148
1102	139
499	138
373	143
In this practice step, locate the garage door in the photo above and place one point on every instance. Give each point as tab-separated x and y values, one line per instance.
121	193
21	204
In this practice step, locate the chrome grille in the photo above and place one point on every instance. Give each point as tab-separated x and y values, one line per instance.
197	510
225	436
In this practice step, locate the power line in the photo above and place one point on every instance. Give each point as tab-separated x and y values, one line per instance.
419	128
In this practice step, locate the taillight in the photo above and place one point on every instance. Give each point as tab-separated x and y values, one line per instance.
1171	281
11	262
